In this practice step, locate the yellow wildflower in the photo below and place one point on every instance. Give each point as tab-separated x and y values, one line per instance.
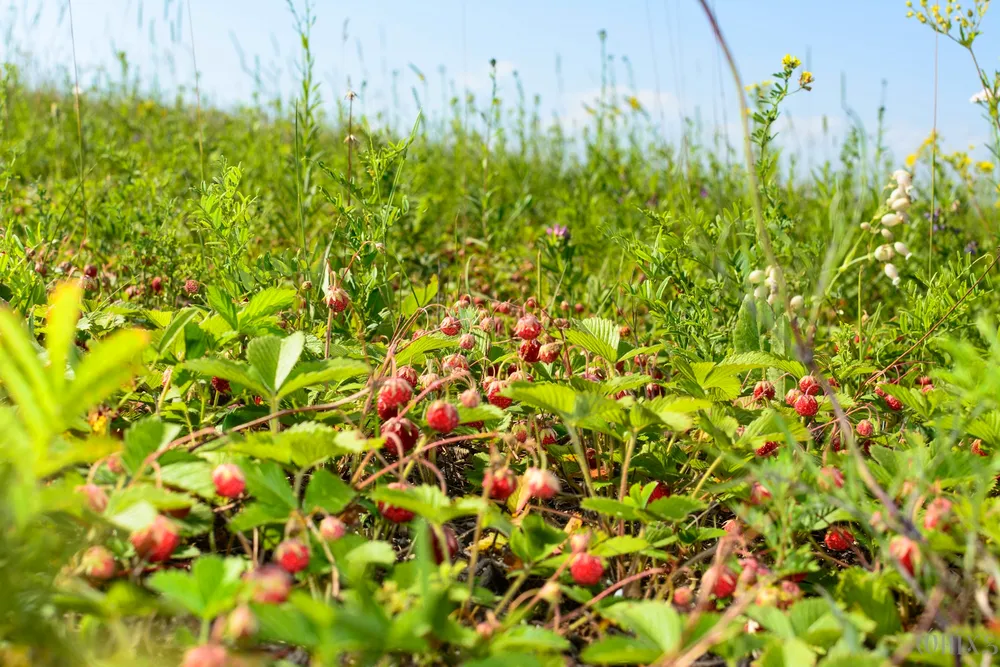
984	166
790	62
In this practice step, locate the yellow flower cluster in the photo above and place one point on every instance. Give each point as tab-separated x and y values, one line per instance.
943	20
790	62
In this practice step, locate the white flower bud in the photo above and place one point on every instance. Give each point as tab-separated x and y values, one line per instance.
900	204
902	178
755	277
897	193
884	253
902	249
891	219
891	272
866	226
771	299
887	235
770	281
797	302
760	292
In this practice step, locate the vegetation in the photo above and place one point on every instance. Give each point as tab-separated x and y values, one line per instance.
278	387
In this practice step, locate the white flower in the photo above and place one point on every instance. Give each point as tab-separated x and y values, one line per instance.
891	272
902	178
760	292
982	96
755	277
887	235
770	281
900	204
771	299
897	193
865	226
884	253
797	302
902	249
891	219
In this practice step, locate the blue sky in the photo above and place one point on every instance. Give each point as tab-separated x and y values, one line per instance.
862	42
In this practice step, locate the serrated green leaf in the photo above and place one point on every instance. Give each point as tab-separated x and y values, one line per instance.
597	336
327	492
321	372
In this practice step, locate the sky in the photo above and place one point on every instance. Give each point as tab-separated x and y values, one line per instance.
861	52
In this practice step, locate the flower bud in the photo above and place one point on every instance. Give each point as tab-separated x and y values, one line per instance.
756	277
887	235
891	272
902	178
902	249
760	292
891	219
797	302
900	204
865	226
884	253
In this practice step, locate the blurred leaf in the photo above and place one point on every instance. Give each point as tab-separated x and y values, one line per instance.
327	492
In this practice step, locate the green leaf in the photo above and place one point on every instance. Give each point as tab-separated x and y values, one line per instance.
103	371
264	304
321	372
674	508
870	593
208	590
612	508
267	483
236	372
597	336
619	545
223	304
135	517
529	638
430	502
654	621
419	297
174	329
60	330
746	337
621	651
374	552
259	514
534	539
327	492
192	476
416	351
143	438
309	443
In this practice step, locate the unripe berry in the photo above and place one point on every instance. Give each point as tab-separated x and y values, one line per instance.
98	563
838	539
864	428
240	624
499	484
683	596
206	655
332	529
792	396
156	541
467	341
97	500
540	483
528	328
470	398
269	584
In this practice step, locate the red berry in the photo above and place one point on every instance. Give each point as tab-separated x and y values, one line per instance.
98	563
548	436
455	362
394	393
540	483
499	484
400	435
894	403
229	480
90	271
206	655
409	374
520	431
191	286
578	307
97	500
586	569
809	385
977	447
469	398
683	596
450	545
529	350
292	556
759	494
528	328
792	396
332	529
442	417
838	539
661	490
763	390
905	551
221	385
269	584
864	428
768	448
654	390
450	326
723	581
494	394
937	511
392	513
830	477
240	624
467	341
806	406
157	285
156	541
924	380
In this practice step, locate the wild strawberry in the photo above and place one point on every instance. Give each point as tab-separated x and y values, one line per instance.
661	490
269	584
977	447
830	478
400	435
520	376
529	350
336	299
591	457
624	331
722	580
332	529
838	539
503	308
528	328
531	303
806	406
429	381
90	271
229	480
467	342
156	541
792	396
156	285
98	563
191	286
864	428
442	417
206	655
115	464
408	373
654	390
392	513
937	511
499	484
540	483
926	389
394	393
759	494
240	624
451	326
292	556
486	324
548	436
763	390
520	431
221	385
586	569
469	398
924	380
767	596
455	363
894	403
97	500
790	593
683	596
809	385
905	552
450	545
768	448
578	308
494	394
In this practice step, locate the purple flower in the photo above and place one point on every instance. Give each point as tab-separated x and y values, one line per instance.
558	232
703	193
971	248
